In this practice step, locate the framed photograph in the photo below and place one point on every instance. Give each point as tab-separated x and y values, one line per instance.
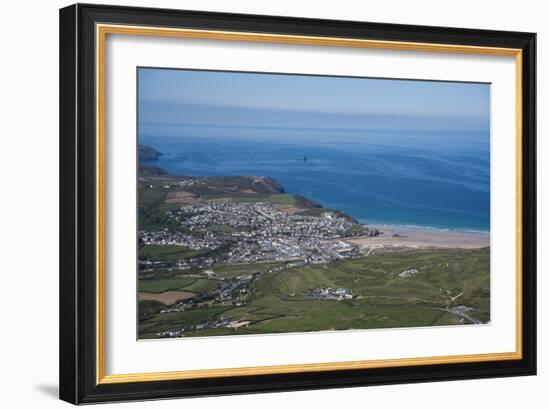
257	203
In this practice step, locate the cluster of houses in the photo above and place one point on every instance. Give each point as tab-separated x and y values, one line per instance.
408	273
208	241
329	293
262	220
254	232
236	289
220	322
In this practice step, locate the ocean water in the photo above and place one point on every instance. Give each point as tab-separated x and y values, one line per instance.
422	178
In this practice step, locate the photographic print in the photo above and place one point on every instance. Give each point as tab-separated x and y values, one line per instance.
248	201
278	203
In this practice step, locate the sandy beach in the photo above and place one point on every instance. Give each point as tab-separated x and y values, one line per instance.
421	237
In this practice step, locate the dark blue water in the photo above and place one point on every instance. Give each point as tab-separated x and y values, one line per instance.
436	179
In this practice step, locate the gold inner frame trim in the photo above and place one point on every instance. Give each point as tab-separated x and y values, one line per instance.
101	33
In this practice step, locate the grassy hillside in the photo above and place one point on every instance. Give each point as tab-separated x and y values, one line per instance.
445	278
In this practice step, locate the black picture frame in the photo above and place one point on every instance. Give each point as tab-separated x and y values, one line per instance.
78	356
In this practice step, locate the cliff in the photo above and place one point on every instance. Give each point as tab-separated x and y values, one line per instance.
148	153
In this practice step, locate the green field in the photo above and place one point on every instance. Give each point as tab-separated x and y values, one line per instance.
220	228
234	270
163	322
203	286
446	278
166	253
159	286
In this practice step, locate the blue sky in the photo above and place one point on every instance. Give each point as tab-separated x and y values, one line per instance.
175	99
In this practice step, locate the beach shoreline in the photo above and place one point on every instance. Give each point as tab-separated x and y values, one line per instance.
421	237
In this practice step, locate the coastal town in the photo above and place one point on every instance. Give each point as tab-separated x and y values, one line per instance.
245	233
254	232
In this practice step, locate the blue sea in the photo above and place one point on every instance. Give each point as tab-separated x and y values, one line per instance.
436	179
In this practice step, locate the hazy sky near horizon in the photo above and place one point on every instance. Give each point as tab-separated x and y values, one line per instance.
171	99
